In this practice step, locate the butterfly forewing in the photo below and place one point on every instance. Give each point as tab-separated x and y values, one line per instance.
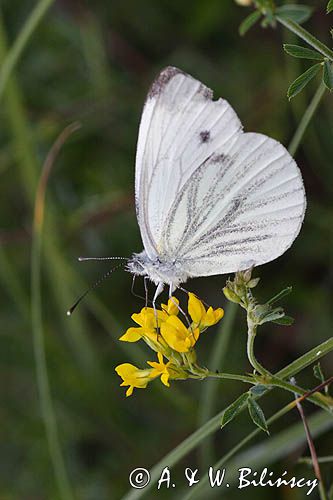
180	128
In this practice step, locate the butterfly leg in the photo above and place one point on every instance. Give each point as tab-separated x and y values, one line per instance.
172	288
145	279
158	291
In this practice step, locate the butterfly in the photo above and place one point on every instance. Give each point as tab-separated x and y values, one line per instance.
210	199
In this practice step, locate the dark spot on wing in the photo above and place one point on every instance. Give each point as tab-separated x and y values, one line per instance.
220	158
161	81
206	92
205	136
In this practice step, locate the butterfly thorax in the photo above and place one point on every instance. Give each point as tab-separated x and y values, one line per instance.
158	270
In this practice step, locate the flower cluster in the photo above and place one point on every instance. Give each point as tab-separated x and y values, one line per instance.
166	334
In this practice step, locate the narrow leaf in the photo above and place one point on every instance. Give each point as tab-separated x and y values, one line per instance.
328	75
302	52
280	295
286	321
234	409
302	81
257	415
329	7
248	22
297	13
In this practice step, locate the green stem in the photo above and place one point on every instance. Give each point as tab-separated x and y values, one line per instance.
231	376
307	117
306	36
21	41
251	335
275	381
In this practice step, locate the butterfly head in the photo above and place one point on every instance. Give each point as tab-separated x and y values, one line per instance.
157	270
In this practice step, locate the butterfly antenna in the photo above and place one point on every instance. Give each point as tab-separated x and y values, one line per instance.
82	259
92	287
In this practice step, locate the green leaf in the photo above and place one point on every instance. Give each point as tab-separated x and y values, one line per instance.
234	409
286	321
301	52
268	315
328	75
329	8
302	81
258	390
248	22
280	295
257	415
297	13
317	371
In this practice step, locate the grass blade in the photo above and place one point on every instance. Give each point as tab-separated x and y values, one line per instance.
43	384
21	41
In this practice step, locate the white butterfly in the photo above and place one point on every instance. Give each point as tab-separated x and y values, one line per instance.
210	199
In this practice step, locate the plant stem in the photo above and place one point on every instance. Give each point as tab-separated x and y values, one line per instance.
306	118
21	41
306	36
269	379
313	452
251	335
231	376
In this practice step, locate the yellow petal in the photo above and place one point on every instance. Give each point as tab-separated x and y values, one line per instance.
212	317
178	324
133	376
132	335
165	379
196	308
129	391
126	369
172	307
175	334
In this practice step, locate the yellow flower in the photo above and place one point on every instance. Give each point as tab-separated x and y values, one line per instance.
172	307
160	369
147	321
133	377
177	336
200	317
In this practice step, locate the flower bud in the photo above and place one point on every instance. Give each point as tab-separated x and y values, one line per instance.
231	295
244	3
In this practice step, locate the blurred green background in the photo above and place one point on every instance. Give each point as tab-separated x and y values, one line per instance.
94	62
